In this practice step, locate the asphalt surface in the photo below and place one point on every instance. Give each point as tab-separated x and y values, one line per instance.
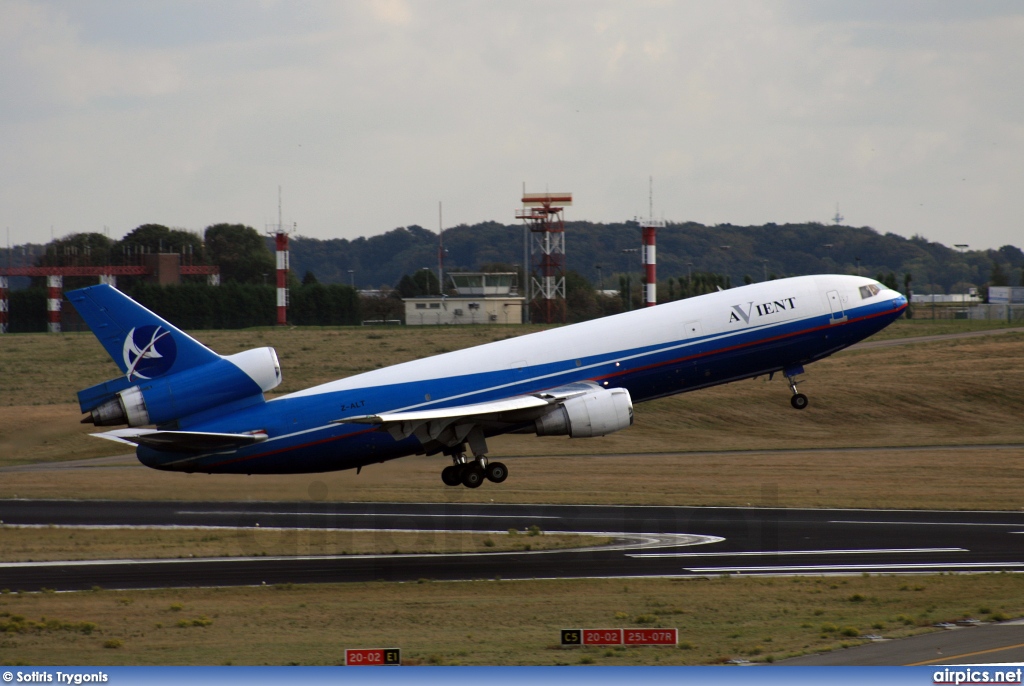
651	541
986	644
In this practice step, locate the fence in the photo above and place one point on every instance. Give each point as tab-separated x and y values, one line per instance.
1011	314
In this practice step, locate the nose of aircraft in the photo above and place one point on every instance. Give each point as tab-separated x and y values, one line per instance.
898	299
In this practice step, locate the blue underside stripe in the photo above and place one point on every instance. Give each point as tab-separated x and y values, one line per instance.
646	371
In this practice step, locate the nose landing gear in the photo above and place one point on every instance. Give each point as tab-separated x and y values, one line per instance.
799	400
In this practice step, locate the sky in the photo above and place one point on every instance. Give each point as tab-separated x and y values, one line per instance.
908	116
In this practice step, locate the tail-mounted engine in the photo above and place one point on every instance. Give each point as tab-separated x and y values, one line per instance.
226	380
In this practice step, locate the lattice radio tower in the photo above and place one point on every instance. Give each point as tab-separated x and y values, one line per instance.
542	214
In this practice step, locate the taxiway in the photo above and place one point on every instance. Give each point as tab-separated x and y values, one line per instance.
650	542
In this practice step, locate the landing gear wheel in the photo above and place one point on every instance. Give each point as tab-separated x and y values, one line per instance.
472	476
450	475
798	401
497	472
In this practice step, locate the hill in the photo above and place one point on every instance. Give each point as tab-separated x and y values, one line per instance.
735	251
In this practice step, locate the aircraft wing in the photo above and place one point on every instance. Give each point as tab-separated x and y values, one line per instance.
452	425
522	402
183	441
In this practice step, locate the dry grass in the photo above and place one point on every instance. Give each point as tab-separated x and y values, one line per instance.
934	394
35	544
48	433
46	369
950	393
489	622
955	478
907	328
942	393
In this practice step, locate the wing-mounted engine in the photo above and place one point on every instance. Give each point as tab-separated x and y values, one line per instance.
234	380
578	410
597	413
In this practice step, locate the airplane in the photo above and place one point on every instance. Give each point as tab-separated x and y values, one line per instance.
211	415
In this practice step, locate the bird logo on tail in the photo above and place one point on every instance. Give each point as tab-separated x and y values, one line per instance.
149	351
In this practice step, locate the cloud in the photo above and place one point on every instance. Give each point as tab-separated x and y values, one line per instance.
369	113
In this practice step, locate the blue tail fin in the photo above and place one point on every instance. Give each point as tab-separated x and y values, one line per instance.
140	343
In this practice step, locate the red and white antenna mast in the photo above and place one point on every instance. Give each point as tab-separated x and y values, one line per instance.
650	228
281	245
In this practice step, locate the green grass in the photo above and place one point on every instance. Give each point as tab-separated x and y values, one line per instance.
490	622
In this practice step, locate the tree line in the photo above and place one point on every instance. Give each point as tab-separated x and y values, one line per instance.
602	253
193	306
693	260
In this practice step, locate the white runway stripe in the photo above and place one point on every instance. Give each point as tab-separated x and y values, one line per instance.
855	568
864	551
853	521
364	514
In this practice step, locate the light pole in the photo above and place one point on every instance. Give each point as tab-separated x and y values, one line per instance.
352	278
962	247
725	248
600	279
629	288
764	263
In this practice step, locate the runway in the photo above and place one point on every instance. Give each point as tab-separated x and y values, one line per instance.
649	542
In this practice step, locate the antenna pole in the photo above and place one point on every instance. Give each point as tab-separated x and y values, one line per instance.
650	197
649	229
282	255
440	250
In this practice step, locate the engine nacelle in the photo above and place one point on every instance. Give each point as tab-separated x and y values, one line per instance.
597	413
157	401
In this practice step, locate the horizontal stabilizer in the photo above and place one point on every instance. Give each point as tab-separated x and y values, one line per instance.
183	441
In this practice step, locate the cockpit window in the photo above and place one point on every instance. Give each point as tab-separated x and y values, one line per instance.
869	290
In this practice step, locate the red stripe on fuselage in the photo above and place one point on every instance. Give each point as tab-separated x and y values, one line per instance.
598	378
746	345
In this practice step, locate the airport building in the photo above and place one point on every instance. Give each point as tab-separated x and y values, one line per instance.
481	298
1006	294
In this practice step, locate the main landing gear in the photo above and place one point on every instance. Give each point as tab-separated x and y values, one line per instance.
799	400
472	473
